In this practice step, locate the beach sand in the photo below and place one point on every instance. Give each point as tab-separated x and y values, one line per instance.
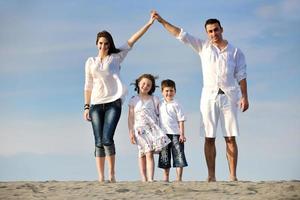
157	190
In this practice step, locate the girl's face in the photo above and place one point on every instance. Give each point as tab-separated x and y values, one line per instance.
103	45
145	85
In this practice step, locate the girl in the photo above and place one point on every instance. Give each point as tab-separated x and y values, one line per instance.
103	93
143	125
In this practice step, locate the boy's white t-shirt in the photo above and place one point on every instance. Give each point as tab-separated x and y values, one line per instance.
170	114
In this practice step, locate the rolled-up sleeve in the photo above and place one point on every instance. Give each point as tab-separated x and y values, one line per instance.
124	51
241	66
193	42
180	113
88	86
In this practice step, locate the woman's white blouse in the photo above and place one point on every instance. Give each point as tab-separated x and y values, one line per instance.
103	79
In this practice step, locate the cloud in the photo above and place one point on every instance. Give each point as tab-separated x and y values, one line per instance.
287	9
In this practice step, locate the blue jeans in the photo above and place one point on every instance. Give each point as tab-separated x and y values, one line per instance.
105	118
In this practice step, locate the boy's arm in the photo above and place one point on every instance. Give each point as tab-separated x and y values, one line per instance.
181	129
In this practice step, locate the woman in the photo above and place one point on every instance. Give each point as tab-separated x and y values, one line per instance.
103	94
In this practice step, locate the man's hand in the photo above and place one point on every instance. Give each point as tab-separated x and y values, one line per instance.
244	104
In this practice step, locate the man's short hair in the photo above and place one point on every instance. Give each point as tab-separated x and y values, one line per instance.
212	21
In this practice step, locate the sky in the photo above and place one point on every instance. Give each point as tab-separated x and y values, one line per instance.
44	45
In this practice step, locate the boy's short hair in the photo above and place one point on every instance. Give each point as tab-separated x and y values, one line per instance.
168	83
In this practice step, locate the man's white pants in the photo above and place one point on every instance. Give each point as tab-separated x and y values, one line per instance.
213	110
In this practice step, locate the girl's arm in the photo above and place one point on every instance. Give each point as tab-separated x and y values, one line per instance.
131	124
141	32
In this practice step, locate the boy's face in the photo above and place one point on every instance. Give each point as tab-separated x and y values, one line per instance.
168	93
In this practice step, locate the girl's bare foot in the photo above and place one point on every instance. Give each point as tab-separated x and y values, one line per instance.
112	179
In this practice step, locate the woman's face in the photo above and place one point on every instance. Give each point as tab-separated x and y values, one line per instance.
103	45
145	86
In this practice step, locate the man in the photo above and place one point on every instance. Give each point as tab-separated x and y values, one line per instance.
224	77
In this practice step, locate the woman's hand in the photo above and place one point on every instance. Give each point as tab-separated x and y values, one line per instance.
152	17
86	115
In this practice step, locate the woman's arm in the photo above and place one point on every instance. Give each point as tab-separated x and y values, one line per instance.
87	100
141	32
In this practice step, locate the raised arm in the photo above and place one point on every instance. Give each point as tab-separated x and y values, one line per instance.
174	30
141	32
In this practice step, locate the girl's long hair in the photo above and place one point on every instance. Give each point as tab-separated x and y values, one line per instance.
147	76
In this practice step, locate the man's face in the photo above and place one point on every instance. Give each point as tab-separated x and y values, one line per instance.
214	32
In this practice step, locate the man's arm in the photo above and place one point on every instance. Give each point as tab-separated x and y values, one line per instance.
174	30
244	104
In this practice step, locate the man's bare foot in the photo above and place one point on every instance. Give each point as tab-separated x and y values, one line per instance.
233	178
211	179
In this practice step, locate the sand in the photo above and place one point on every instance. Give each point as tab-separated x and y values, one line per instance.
157	190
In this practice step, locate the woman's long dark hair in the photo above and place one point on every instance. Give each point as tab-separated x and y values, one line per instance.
107	35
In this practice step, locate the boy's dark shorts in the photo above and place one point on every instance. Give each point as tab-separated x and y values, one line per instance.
176	149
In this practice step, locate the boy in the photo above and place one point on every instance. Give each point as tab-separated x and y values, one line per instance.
172	123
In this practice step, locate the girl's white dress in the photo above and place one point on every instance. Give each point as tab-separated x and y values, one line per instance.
148	134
